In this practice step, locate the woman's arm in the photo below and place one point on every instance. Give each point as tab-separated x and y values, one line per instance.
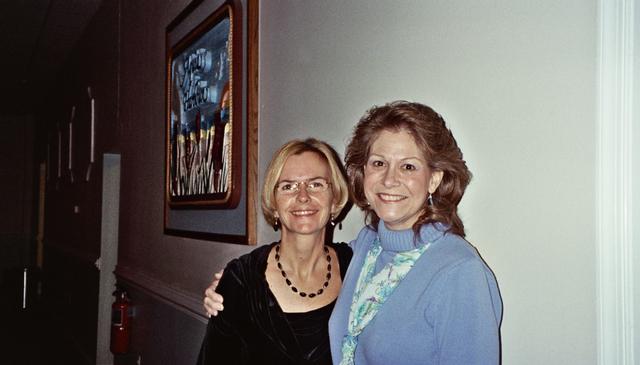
213	300
223	342
467	316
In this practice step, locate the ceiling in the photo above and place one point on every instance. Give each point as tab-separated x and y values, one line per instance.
36	36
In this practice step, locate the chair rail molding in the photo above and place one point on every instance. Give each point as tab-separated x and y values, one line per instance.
614	235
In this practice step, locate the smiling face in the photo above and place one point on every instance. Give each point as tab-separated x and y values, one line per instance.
304	213
397	179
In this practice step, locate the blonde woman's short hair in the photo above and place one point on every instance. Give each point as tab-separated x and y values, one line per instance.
339	185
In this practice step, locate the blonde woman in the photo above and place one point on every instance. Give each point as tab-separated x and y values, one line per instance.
279	297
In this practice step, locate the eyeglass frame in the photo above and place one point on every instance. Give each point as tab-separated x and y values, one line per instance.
296	186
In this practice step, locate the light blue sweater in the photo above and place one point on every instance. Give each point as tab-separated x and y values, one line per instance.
446	311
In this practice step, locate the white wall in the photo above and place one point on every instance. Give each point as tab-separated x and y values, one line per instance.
635	191
516	82
616	163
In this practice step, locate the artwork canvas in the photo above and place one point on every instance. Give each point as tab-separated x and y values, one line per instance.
203	137
211	121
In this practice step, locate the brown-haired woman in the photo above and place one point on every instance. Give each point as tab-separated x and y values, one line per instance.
416	291
279	297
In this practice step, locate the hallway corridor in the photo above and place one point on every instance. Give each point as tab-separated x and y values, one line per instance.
31	336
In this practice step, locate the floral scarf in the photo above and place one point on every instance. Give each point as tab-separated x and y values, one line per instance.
372	291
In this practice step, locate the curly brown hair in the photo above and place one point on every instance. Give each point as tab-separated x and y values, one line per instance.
440	148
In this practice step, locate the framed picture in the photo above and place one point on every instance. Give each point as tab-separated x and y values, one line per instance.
210	137
204	90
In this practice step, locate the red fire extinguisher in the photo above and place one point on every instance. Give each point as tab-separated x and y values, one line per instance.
120	323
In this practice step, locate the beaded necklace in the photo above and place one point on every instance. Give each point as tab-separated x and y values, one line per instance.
290	284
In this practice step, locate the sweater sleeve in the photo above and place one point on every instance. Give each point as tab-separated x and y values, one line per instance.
223	343
466	316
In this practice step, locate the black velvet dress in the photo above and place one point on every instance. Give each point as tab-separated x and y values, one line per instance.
253	329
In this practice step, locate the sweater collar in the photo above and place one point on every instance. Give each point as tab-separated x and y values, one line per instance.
404	240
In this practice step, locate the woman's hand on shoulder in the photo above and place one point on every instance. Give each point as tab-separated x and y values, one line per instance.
213	300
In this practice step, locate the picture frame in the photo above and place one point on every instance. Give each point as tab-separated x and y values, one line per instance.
204	88
211	122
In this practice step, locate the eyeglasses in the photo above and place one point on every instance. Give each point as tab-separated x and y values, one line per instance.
313	186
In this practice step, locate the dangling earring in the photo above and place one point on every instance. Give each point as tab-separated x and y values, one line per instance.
276	224
332	222
430	200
